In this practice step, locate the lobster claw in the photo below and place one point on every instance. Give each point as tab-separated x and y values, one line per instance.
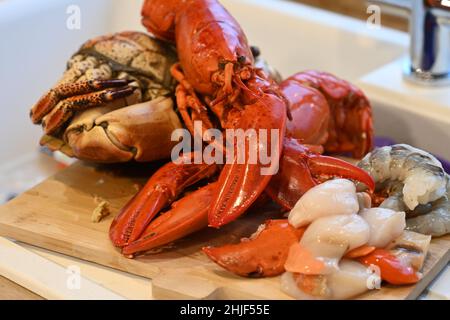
160	191
301	169
186	216
241	182
263	255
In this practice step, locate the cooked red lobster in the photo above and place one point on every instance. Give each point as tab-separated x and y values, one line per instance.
220	86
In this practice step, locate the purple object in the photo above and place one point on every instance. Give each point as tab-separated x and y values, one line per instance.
384	141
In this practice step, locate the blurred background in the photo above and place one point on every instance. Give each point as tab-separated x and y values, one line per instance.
358	9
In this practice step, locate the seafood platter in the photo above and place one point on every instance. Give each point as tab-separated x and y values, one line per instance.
338	218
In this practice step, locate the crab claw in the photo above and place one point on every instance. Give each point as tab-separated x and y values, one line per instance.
241	182
263	255
139	131
186	216
48	101
301	169
159	192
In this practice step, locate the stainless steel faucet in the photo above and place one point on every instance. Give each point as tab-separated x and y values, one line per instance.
429	27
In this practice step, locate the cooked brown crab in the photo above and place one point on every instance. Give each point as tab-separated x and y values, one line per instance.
114	102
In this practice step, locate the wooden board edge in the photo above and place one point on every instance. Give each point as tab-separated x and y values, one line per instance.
431	275
66	248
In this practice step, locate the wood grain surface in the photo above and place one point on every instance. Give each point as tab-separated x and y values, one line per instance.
11	291
56	215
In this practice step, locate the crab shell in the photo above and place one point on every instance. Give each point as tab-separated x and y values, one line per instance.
125	55
137	127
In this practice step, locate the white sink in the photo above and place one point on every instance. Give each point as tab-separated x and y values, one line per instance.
411	114
294	37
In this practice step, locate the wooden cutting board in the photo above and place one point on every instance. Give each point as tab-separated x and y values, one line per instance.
56	215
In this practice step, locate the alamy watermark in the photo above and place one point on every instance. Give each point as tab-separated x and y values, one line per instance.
374	279
73	281
374	20
73	21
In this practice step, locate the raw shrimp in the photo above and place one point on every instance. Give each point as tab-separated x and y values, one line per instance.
416	183
432	218
333	197
420	175
436	220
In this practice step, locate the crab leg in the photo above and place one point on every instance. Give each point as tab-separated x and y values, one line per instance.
159	192
263	255
187	215
64	110
300	170
47	102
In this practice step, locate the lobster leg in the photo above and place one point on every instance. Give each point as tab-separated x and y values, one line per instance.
159	192
300	170
190	107
263	255
186	216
